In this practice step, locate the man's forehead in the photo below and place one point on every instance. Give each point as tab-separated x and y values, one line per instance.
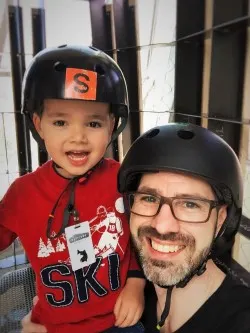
162	182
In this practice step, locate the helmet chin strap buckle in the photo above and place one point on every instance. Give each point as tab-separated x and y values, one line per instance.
202	269
199	271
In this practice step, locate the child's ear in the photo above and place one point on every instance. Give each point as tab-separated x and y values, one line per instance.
37	124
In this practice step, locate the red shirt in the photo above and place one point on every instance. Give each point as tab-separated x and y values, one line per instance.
80	301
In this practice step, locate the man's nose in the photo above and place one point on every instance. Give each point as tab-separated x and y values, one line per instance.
165	221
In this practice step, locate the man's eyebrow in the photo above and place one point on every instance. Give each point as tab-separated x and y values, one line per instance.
149	190
191	195
153	191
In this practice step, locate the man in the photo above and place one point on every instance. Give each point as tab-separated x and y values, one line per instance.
184	188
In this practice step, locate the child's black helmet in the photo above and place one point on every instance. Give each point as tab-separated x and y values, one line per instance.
74	72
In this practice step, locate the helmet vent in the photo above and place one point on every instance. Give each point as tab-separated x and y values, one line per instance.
185	135
59	66
99	69
62	46
152	133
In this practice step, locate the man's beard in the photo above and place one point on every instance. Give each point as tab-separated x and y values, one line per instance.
171	272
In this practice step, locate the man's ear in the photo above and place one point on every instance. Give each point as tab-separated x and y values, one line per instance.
37	124
222	215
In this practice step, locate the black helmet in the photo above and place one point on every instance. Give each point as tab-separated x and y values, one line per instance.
74	72
190	149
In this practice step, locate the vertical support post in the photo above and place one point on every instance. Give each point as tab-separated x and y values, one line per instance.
189	61
127	58
227	71
39	43
18	68
208	42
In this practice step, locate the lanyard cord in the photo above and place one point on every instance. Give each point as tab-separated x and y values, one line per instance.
70	207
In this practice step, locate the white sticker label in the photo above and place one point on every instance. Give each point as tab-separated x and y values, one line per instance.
80	245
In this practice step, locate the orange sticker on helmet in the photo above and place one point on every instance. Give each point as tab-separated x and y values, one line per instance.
80	84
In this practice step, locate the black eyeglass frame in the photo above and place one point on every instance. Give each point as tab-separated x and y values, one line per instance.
169	201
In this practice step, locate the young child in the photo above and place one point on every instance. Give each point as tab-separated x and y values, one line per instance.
68	213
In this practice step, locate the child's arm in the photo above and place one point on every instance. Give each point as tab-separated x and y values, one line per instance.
8	217
130	303
28	326
7	237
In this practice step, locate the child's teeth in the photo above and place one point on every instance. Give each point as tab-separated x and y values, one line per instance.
76	155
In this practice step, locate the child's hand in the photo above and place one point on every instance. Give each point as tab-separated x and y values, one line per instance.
130	303
28	326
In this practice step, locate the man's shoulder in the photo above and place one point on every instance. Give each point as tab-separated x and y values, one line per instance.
230	307
226	311
237	288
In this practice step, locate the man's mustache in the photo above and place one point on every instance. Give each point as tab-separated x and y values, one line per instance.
147	231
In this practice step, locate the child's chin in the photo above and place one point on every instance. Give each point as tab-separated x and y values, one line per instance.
70	173
75	172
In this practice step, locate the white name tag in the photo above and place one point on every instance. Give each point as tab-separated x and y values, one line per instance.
80	245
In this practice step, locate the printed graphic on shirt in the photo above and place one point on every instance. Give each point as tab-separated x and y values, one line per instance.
45	250
83	281
110	228
106	229
66	262
60	247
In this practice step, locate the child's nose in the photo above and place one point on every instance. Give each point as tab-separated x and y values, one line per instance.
78	134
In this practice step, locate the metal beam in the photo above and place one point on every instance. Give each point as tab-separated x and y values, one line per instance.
126	37
18	68
39	43
227	70
189	60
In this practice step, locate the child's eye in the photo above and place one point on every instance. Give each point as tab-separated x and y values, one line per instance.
59	123
95	124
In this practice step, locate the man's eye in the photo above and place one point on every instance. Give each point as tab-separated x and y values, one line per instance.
95	124
59	123
148	198
190	204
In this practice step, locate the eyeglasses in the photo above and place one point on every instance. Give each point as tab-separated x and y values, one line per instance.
194	210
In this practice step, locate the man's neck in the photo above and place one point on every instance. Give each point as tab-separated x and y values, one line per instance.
186	301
